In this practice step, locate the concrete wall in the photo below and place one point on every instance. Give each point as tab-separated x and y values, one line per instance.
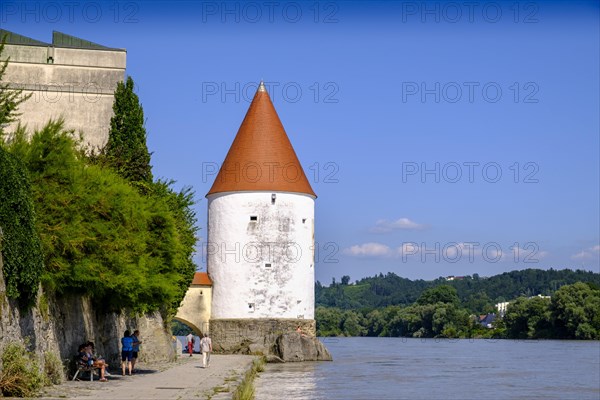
238	250
78	86
195	308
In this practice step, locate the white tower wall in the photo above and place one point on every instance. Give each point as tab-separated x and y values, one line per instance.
239	249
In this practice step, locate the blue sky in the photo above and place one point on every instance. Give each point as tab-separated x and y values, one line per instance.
438	137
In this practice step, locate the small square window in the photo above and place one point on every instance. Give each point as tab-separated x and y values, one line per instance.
254	218
303	220
268	265
251	307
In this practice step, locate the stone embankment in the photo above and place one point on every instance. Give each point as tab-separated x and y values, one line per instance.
60	325
294	347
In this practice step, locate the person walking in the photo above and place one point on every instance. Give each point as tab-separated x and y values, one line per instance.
206	348
126	351
190	343
136	348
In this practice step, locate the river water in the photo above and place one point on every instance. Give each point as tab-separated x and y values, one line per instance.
400	368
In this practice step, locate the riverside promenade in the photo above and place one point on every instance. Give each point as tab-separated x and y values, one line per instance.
183	379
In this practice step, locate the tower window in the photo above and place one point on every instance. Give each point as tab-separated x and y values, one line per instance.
303	220
251	307
273	197
254	218
268	265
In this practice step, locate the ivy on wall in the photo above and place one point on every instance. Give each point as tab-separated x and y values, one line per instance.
19	241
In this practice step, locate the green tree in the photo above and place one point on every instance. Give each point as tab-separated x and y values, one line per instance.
439	294
479	303
126	150
352	324
528	318
10	98
329	321
100	235
576	311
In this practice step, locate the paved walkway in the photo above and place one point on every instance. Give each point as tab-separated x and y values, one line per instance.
185	379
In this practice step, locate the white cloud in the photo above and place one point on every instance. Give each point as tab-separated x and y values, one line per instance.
582	255
370	249
384	225
587	254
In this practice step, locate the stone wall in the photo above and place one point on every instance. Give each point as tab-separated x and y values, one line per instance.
248	336
79	86
60	325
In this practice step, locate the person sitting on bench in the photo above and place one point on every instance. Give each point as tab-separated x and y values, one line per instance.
99	362
86	359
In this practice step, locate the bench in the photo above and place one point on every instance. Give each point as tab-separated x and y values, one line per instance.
84	367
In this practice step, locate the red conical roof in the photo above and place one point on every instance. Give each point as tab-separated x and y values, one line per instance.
261	157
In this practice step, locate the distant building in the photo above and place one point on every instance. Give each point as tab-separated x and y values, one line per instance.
454	278
501	307
69	77
540	296
487	320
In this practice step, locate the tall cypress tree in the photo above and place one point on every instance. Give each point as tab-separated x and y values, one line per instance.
126	149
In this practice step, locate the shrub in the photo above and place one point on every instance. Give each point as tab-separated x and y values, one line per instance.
20	374
100	235
53	368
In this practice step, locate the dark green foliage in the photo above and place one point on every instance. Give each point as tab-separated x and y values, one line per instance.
181	206
576	311
393	306
9	99
417	320
528	318
179	329
439	294
572	313
19	241
479	294
126	150
101	236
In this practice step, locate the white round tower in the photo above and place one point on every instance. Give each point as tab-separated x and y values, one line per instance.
260	250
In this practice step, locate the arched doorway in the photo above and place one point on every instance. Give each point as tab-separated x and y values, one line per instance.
180	328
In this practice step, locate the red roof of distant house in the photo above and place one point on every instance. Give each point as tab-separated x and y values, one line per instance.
261	157
202	278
